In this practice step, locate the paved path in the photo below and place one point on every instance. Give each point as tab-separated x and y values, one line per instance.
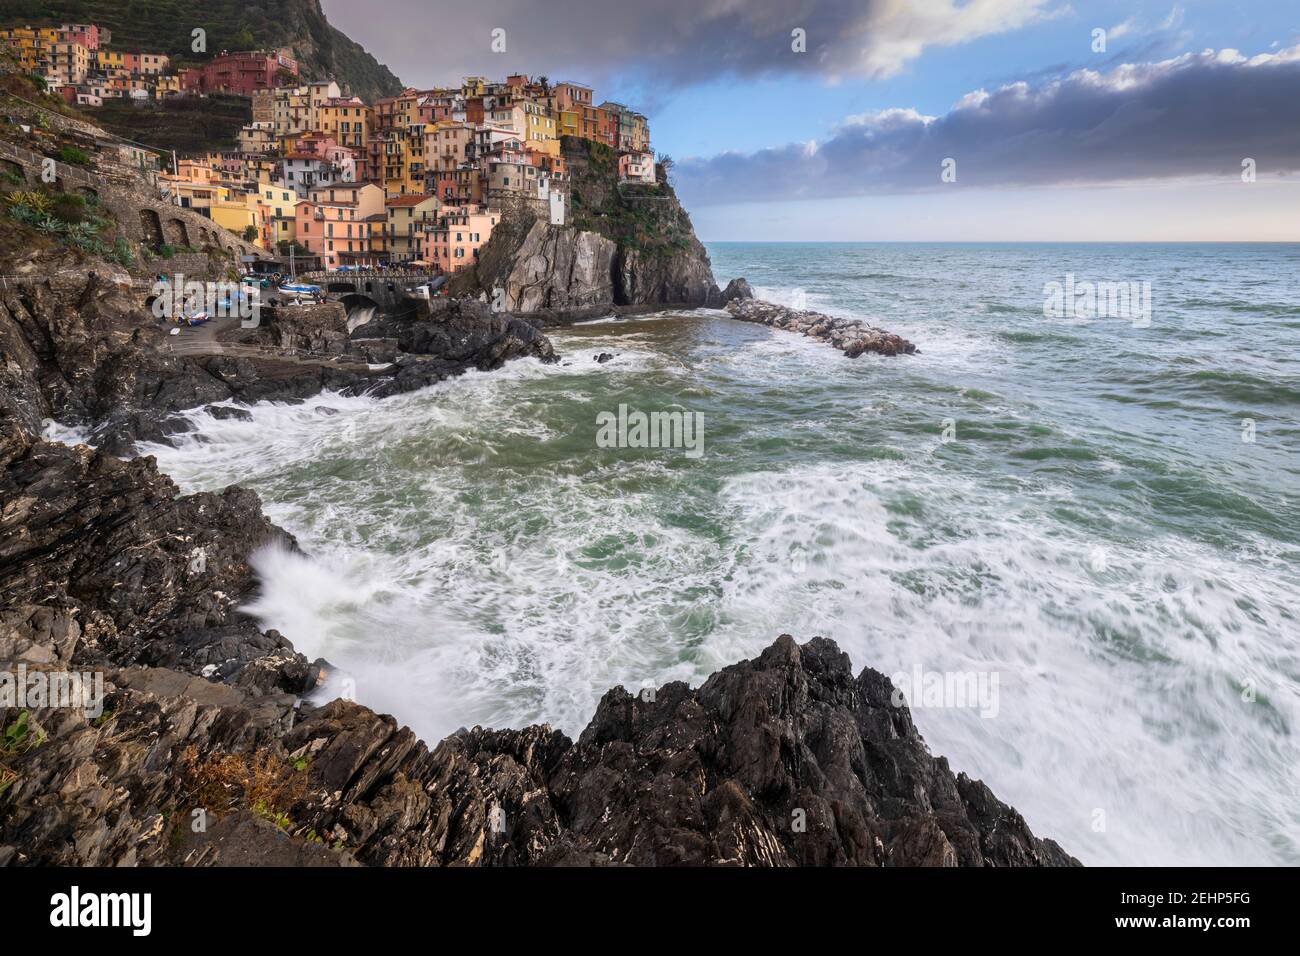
215	338
202	339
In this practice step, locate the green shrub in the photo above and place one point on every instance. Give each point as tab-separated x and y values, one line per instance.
122	254
69	207
74	157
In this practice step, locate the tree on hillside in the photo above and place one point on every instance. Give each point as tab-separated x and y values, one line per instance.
666	165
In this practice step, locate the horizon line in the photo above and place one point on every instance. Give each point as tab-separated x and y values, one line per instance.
1009	242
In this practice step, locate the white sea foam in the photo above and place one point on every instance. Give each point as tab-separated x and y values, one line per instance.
67	434
1121	689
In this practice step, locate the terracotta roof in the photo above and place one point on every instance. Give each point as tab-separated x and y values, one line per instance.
407	200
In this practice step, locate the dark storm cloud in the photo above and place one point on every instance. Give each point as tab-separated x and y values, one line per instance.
1197	115
670	42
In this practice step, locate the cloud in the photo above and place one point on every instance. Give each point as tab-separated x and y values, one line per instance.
1121	29
1192	116
671	42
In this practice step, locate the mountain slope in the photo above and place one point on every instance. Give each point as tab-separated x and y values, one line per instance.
166	26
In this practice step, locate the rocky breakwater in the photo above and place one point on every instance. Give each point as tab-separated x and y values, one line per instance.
850	336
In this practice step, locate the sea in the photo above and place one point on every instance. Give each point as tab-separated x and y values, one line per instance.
1067	527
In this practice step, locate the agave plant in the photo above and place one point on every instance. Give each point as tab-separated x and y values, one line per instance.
81	233
51	225
37	202
22	214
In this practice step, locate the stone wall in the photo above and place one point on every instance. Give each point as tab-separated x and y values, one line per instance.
144	220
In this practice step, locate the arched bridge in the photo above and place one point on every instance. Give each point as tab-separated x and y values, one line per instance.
387	289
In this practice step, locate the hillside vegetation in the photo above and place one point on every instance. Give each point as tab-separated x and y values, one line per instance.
165	26
187	125
635	216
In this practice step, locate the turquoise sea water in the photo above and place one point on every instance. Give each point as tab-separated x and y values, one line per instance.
1099	513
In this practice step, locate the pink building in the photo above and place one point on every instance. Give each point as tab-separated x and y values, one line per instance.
342	158
342	223
452	244
636	167
87	34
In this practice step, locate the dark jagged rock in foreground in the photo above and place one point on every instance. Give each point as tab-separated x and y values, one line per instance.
783	760
850	336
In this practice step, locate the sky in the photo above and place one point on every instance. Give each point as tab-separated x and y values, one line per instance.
916	120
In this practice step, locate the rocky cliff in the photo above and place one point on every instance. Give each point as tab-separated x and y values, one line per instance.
558	268
624	244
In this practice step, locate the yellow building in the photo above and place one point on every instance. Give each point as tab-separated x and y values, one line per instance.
199	196
396	112
37	38
396	159
413	174
27	45
279	219
165	86
347	122
238	212
408	218
110	61
568	123
540	132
